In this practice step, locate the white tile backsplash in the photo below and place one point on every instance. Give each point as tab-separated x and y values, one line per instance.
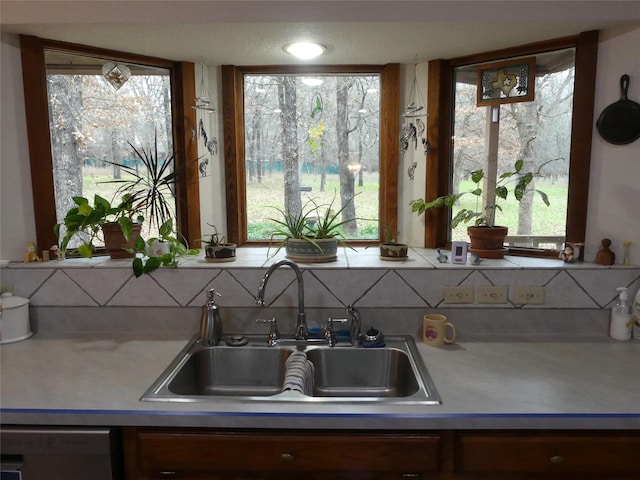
94	288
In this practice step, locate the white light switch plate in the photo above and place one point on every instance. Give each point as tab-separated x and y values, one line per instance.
492	294
529	296
458	294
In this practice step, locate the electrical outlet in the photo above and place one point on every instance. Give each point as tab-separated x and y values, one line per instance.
492	294
529	295
458	294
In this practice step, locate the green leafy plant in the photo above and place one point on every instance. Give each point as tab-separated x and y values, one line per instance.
85	221
480	216
177	248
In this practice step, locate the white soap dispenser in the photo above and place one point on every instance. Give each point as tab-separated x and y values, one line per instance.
620	326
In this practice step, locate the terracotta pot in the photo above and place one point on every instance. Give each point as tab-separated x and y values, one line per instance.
302	251
487	242
114	242
221	253
397	251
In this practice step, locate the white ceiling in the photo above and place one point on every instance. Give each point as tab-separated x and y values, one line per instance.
244	32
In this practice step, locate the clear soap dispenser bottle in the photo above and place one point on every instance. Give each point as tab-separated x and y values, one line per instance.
620	326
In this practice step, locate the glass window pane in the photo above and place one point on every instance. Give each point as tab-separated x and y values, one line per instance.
93	121
312	138
537	132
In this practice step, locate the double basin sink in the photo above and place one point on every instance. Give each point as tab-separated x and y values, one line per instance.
394	373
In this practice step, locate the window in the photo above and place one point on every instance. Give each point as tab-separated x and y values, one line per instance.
288	119
445	129
495	136
95	126
176	128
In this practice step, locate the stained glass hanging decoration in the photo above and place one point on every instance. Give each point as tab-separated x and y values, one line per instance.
116	74
506	82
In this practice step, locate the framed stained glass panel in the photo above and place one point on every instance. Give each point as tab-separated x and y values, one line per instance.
506	82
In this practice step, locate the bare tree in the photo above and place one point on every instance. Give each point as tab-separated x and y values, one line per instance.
288	107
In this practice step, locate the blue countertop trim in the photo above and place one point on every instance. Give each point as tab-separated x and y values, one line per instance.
316	415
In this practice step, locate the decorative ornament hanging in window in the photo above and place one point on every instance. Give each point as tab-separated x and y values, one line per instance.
506	82
116	75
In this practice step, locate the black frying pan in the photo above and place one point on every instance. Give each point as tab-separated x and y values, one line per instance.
619	123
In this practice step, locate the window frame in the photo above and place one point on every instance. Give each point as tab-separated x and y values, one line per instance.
234	151
439	132
32	50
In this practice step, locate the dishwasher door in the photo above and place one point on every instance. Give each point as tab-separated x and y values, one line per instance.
59	453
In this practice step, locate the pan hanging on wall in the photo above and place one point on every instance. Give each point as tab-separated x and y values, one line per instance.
619	123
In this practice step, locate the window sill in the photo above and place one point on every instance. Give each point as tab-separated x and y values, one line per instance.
358	258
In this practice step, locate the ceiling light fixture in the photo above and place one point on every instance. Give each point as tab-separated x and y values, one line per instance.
305	50
311	81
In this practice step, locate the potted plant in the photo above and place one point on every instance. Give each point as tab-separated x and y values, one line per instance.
113	223
391	249
312	234
217	249
145	263
487	239
151	185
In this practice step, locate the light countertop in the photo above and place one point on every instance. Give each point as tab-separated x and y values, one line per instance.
489	382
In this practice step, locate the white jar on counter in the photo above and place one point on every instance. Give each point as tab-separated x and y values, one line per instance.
14	319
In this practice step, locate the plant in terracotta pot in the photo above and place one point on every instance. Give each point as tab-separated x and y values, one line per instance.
487	239
89	224
312	234
391	249
217	249
146	261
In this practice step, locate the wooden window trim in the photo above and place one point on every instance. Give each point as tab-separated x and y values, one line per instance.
39	139
439	128
233	125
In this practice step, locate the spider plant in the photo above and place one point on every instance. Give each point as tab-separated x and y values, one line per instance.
152	186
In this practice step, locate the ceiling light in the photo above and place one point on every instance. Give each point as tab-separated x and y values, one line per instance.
305	50
311	81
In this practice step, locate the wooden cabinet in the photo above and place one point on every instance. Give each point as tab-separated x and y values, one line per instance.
200	454
171	453
532	455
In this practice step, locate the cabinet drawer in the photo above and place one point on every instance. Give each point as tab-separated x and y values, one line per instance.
548	453
219	452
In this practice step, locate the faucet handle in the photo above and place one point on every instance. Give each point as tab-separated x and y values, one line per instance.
329	333
274	333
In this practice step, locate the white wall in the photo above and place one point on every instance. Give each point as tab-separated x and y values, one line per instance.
613	209
614	189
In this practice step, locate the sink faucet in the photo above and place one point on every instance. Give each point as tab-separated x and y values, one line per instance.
302	332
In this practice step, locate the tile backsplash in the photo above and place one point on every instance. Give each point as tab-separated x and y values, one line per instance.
100	290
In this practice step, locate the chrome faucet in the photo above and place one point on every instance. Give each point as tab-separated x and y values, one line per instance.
302	332
355	330
211	322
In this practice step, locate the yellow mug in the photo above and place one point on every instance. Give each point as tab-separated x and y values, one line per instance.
434	330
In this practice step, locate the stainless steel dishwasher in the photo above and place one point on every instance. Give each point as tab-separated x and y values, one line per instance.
59	453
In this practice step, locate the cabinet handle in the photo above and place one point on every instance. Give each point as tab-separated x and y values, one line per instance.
287	457
556	459
167	474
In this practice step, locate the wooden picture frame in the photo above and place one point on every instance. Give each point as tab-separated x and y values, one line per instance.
506	82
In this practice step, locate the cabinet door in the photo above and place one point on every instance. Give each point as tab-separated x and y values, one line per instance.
600	454
191	453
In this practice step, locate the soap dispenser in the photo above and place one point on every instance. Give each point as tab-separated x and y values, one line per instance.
211	322
620	326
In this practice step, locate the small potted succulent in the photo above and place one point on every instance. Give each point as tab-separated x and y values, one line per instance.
487	239
217	249
391	249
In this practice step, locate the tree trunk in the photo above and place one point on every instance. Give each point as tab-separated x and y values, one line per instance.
287	100
66	139
347	178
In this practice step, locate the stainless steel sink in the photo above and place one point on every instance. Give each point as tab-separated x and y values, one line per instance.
231	371
392	374
362	372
